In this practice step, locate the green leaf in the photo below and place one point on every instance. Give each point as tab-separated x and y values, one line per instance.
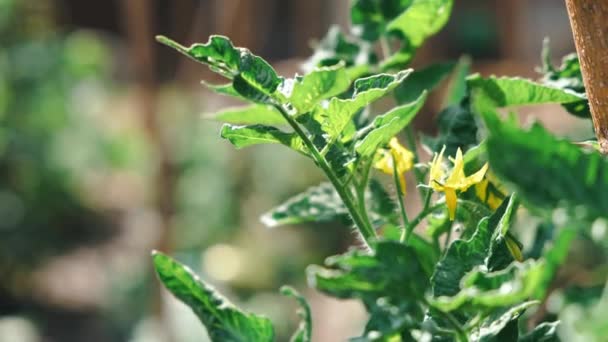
515	91
304	332
457	129
547	171
422	80
462	256
370	17
567	76
244	136
340	112
421	20
386	126
321	83
253	78
458	86
389	282
321	203
500	256
250	115
501	325
335	47
318	204
483	290
224	321
544	332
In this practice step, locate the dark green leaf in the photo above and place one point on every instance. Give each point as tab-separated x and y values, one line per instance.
545	332
224	321
501	325
386	126
253	78
500	256
483	290
318	204
458	86
548	171
250	115
389	282
304	332
244	136
462	256
422	80
457	129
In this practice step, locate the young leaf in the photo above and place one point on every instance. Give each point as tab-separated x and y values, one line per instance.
567	76
318	204
422	80
386	126
224	321
244	136
422	19
305	93
462	256
250	115
500	253
253	78
515	91
556	172
335	47
458	86
340	112
304	332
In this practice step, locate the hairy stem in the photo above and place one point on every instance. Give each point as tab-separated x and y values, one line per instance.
364	227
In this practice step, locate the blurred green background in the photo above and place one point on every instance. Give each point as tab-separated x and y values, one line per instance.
105	154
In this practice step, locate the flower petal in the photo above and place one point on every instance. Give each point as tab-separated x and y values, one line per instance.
451	201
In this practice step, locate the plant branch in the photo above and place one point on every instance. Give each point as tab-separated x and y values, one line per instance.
364	227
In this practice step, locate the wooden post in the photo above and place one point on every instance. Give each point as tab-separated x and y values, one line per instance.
589	21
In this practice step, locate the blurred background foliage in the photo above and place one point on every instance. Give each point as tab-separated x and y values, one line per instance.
105	155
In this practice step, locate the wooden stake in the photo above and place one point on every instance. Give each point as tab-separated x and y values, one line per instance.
589	21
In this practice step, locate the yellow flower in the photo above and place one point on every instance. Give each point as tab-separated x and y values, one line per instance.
455	181
403	157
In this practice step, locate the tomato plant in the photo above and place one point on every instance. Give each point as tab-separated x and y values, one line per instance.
487	174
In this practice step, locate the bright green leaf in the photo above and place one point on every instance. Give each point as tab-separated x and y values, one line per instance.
515	91
370	17
422	19
321	83
340	112
224	321
501	325
386	126
250	115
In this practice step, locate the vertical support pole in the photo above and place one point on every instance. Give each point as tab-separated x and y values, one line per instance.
589	21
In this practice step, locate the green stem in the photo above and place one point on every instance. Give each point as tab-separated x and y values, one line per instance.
421	216
411	142
448	238
405	233
364	227
361	187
